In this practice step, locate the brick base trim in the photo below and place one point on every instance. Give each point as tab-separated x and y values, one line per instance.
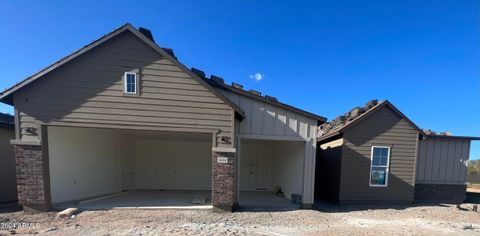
451	193
33	181
223	181
307	206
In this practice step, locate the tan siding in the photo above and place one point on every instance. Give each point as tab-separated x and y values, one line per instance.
383	127
8	183
88	92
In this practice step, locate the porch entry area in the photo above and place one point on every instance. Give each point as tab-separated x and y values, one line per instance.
107	169
270	174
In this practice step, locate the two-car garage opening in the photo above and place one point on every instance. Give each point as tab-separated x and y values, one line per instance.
120	168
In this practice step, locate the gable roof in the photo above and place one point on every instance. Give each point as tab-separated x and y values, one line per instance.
336	129
218	83
7	95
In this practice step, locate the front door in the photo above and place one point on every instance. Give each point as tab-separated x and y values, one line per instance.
262	173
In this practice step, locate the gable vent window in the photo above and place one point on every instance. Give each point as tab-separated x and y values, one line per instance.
379	166
130	81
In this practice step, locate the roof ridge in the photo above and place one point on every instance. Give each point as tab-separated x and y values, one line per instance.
218	82
340	124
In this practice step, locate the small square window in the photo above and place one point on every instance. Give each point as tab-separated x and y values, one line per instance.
130	81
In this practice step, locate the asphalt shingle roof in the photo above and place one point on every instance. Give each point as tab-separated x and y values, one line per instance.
7	119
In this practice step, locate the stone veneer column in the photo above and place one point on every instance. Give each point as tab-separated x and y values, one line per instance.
33	180
223	179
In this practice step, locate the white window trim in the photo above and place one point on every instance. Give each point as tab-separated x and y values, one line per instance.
371	167
125	83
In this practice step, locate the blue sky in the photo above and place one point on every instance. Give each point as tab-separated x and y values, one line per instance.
322	56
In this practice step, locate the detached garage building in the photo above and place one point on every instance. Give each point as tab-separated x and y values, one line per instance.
124	114
376	154
368	155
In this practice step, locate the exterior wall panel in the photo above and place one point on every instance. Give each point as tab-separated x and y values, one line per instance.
443	161
88	92
268	120
383	128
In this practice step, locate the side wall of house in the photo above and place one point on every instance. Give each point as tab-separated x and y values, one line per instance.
88	92
443	161
442	169
382	128
8	179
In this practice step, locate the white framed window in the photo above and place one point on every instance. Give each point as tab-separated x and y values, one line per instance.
379	166
130	82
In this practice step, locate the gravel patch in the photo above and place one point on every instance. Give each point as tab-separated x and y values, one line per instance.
328	220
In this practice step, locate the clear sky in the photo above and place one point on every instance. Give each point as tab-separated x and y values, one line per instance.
322	56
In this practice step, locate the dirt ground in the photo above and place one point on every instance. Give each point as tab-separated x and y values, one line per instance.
327	220
474	188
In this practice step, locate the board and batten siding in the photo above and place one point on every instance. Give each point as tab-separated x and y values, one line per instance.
443	161
382	128
266	121
263	119
88	92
